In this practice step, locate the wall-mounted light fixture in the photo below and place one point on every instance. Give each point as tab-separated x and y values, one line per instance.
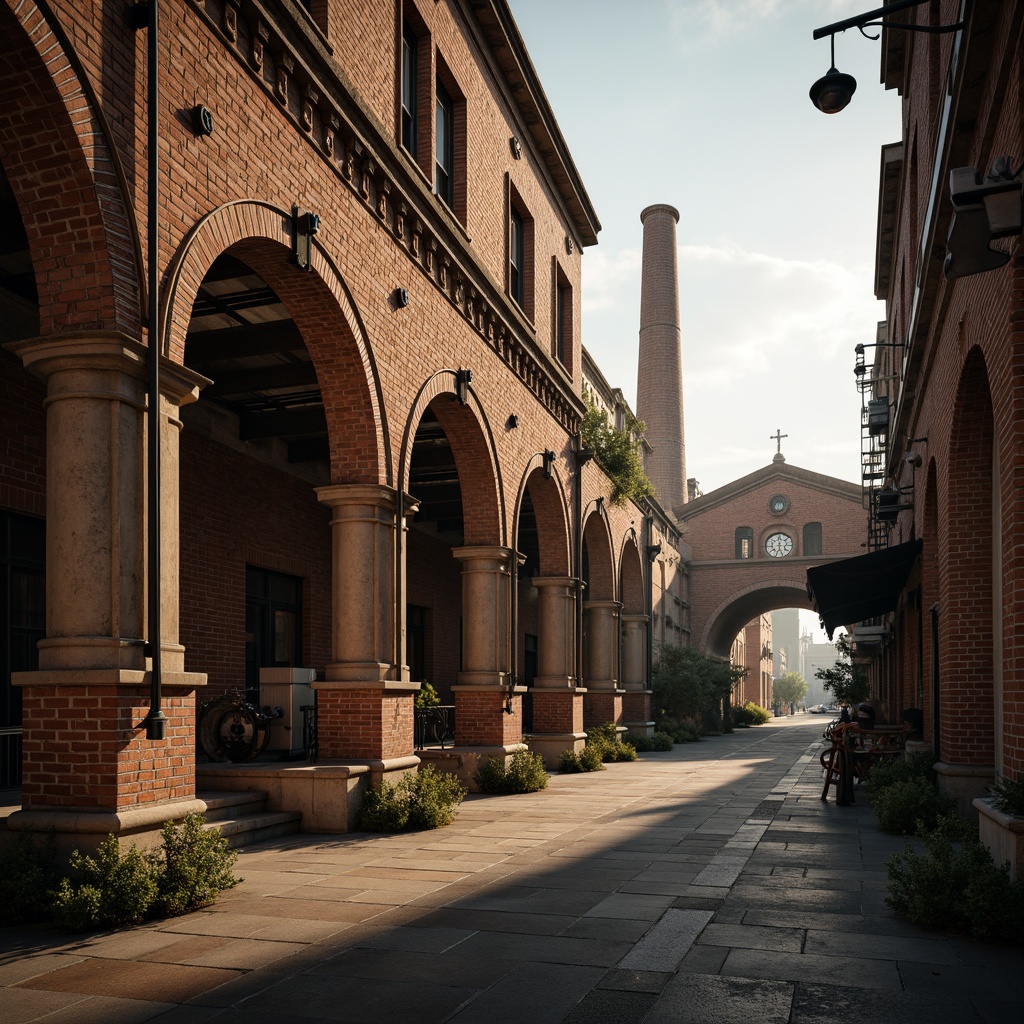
400	296
305	227
653	550
517	148
463	378
549	463
512	422
202	120
834	90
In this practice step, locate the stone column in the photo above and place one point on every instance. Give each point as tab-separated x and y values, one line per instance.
84	709
557	699
482	691
365	701
603	702
636	701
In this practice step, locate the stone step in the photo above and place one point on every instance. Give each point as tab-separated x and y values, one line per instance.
246	829
232	803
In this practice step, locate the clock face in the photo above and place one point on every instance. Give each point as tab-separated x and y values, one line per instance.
778	545
778	504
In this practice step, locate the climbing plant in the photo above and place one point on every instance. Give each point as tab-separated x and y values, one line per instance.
617	452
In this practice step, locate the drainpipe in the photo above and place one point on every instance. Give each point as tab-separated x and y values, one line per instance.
145	16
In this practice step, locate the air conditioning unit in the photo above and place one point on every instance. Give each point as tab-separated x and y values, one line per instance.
878	416
289	689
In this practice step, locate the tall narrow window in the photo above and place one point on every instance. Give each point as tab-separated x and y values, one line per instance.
812	539
563	319
444	146
410	45
273	623
516	254
744	542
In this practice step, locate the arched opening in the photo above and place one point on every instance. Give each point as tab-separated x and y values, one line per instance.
967	638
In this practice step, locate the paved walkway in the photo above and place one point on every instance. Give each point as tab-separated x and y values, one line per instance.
708	884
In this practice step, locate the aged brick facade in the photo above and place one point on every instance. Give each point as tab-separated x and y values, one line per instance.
954	444
368	416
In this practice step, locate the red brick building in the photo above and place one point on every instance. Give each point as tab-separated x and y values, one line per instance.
368	237
943	394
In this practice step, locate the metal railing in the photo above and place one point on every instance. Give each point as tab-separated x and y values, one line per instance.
434	726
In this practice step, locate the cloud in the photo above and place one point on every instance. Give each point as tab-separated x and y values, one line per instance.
767	342
696	21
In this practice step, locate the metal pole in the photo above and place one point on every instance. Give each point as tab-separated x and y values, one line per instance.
156	721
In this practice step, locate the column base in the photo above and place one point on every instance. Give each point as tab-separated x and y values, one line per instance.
601	707
551	746
365	721
482	718
85	828
557	723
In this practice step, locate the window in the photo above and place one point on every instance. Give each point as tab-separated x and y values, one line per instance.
410	62
515	255
520	253
273	623
563	319
812	539
416	641
444	146
744	542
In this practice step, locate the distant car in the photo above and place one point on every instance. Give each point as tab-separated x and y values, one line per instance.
816	709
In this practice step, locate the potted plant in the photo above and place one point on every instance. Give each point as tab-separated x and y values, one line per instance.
1001	823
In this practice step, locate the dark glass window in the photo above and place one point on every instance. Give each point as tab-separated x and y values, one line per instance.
409	126
812	539
273	623
444	146
516	253
416	641
744	542
563	321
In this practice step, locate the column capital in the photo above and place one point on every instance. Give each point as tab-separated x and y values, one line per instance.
499	557
106	350
554	582
610	605
634	618
376	495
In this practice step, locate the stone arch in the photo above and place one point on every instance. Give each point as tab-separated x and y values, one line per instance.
472	444
322	308
747	603
69	183
598	540
551	514
967	726
631	576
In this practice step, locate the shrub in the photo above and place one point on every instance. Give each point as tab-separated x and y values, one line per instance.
1008	795
915	768
426	696
28	878
385	809
751	714
196	866
109	890
433	797
954	886
524	773
424	799
681	732
910	806
605	739
644	744
569	762
591	759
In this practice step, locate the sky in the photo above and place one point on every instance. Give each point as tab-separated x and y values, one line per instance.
703	104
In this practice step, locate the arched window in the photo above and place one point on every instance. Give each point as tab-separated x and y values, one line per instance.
744	542
812	539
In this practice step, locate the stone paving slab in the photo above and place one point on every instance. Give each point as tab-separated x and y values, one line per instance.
575	904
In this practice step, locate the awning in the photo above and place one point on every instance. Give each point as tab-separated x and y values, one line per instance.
854	589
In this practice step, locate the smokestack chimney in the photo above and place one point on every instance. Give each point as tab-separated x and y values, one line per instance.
659	392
